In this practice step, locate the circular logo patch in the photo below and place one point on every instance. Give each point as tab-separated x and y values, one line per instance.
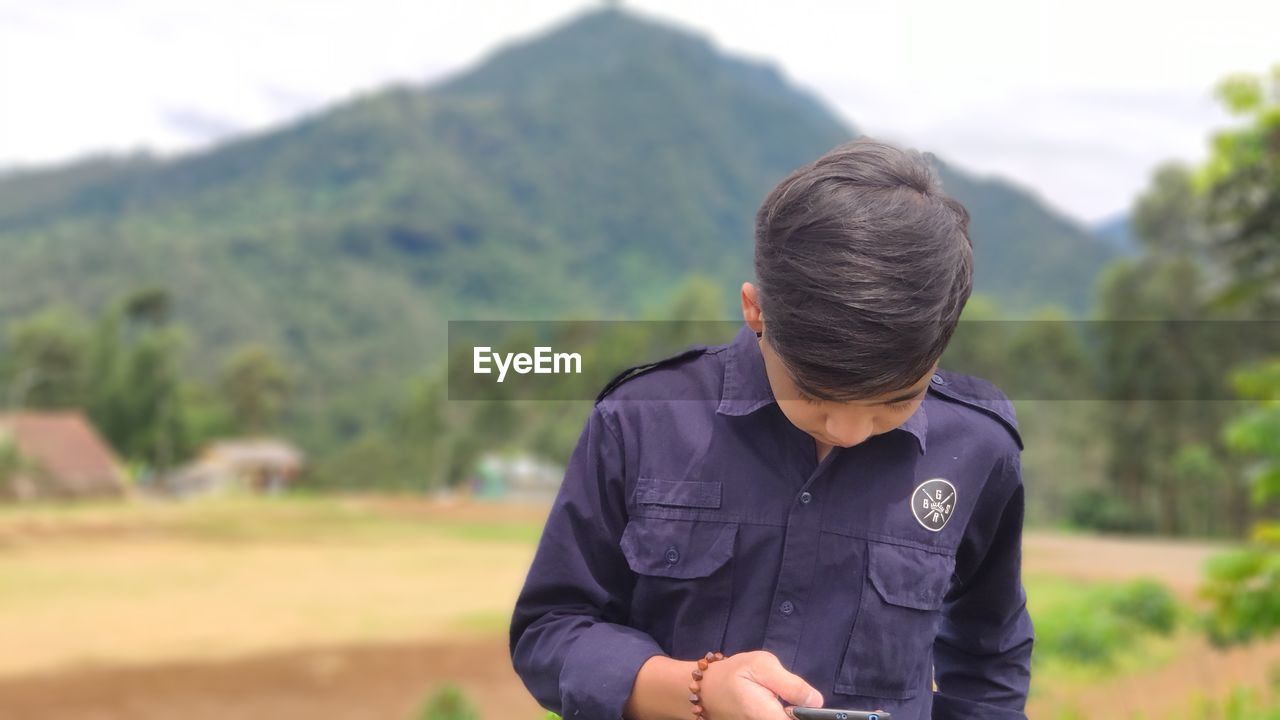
932	503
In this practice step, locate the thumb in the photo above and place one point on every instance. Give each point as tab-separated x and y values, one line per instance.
789	686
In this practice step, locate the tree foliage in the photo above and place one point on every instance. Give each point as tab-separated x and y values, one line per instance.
1242	181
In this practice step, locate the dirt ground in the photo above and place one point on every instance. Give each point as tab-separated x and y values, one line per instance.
310	666
390	682
382	682
1179	565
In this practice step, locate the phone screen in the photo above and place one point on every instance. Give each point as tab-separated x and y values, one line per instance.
812	713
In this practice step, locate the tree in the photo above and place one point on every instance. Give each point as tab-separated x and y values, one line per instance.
1241	181
47	361
134	381
1156	369
1244	586
256	386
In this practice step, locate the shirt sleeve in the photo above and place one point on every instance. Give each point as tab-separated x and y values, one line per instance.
567	640
982	654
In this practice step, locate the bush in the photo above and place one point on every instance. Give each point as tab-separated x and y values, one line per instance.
1244	587
1090	638
1148	604
1095	509
449	703
1244	703
1091	626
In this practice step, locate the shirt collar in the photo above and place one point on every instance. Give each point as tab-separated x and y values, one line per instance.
746	385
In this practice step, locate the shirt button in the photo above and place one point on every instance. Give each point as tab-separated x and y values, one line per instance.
673	555
937	380
805	497
786	607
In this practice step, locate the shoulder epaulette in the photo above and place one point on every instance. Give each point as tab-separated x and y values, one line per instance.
635	370
979	395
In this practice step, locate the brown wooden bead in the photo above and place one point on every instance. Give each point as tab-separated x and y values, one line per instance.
695	686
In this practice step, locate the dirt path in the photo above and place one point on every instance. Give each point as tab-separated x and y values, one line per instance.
382	682
390	680
1178	564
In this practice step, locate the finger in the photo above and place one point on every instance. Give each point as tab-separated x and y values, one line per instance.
789	686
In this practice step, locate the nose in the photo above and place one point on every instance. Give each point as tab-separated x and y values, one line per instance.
849	430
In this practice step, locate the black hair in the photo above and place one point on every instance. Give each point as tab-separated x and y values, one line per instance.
863	265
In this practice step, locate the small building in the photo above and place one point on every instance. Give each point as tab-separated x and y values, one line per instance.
257	465
521	478
56	455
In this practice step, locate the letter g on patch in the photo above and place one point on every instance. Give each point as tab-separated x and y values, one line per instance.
932	503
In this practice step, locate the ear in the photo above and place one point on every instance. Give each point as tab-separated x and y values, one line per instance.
751	311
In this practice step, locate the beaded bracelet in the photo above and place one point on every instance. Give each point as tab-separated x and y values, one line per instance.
695	687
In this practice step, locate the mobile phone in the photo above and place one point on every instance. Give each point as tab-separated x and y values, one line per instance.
812	713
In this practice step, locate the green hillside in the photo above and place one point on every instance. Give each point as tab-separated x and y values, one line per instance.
580	174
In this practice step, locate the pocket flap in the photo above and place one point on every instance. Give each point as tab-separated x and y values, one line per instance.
909	577
679	493
677	548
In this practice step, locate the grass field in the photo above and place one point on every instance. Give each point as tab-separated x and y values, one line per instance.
107	585
384	598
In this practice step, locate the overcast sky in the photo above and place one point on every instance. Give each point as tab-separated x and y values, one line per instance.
1077	100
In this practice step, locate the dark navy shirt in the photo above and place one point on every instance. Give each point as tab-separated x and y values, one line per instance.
695	517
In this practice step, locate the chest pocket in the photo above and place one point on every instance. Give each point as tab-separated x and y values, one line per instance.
890	647
683	565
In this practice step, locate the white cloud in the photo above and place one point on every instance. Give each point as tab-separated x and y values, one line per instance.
1078	100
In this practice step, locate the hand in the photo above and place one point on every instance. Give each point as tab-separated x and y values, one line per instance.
746	686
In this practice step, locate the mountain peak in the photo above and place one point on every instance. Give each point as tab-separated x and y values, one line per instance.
592	43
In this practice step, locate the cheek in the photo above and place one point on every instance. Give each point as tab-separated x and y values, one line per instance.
801	414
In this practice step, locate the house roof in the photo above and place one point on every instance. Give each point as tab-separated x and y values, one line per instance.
262	452
66	450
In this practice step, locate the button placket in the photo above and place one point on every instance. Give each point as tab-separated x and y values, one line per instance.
795	577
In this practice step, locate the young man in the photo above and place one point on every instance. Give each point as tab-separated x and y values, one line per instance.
816	499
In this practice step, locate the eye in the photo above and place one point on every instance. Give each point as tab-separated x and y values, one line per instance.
900	405
807	398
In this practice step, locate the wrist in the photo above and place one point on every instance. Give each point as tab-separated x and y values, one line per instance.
661	690
695	686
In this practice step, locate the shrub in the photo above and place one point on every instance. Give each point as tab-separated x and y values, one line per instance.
1090	626
448	703
1147	603
1244	587
1096	509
